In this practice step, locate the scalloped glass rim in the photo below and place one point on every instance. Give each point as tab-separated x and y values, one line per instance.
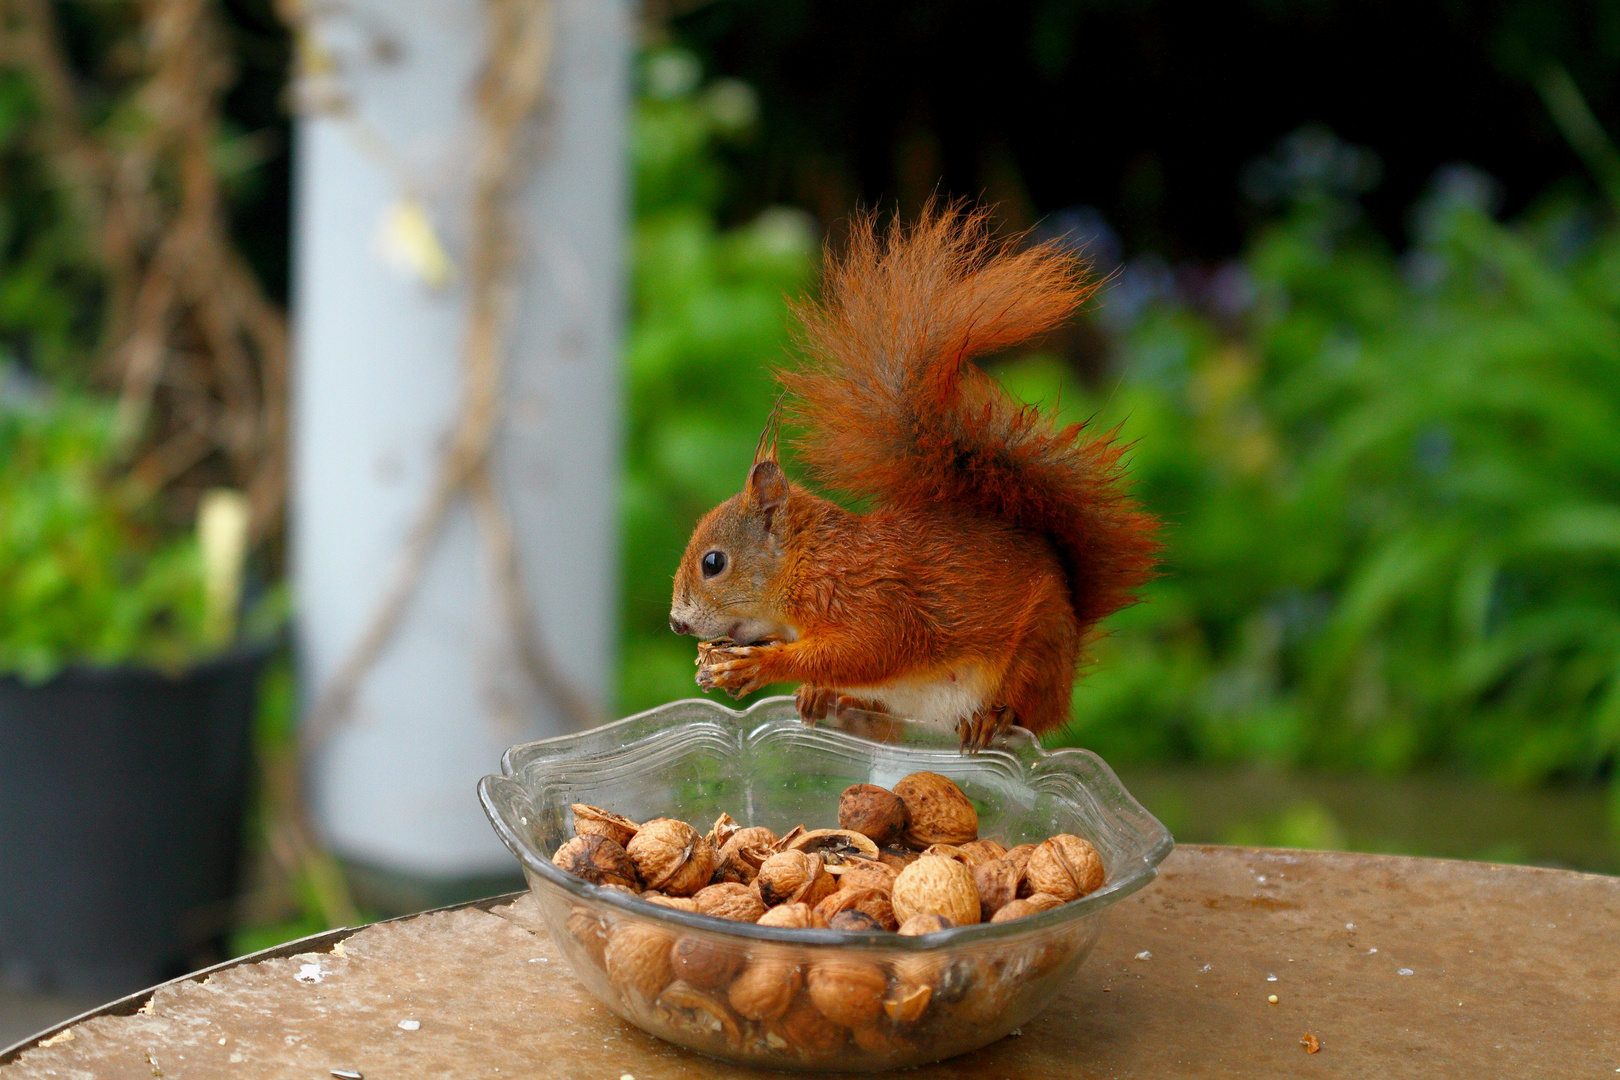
1144	839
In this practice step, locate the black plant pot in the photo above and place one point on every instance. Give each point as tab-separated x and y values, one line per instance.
122	793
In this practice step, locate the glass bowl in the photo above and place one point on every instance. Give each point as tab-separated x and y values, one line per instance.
750	993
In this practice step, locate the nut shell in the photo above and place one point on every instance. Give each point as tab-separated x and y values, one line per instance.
790	917
867	874
1065	866
671	856
853	921
739	857
1025	906
792	877
997	882
936	811
765	988
835	846
637	959
873	811
926	923
847	992
706	964
595	821
874	902
809	1032
732	900
979	851
934	885
598	860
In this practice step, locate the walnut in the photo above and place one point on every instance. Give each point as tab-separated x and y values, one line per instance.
1065	866
1019	857
835	846
881	1040
872	811
732	900
792	917
867	874
997	882
951	851
586	928
847	992
597	860
793	877
907	1002
936	885
698	1013
740	856
637	959
595	821
670	856
807	1031
897	857
765	988
855	921
946	977
979	851
936	811
706	964
987	996
723	829
874	902
1023	906
926	923
679	903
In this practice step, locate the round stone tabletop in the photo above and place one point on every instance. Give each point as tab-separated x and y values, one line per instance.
1382	966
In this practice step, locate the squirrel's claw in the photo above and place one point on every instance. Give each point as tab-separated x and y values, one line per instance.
984	727
738	670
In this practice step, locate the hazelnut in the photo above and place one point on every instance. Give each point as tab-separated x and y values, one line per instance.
1065	866
595	821
936	811
1023	906
789	917
791	877
732	900
809	1032
867	874
926	923
874	902
670	856
597	860
936	885
847	992
637	959
740	856
997	882
854	921
708	965
873	811
765	988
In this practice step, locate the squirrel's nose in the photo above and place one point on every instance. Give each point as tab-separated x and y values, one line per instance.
680	626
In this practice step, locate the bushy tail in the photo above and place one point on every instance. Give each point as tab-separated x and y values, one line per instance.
892	409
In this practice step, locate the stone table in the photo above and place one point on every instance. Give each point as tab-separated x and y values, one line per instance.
1396	966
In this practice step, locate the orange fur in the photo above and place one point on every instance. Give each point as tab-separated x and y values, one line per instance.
996	541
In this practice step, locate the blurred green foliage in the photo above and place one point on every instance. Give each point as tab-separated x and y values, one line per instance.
1391	481
85	574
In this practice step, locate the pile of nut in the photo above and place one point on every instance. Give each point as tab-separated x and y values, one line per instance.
908	861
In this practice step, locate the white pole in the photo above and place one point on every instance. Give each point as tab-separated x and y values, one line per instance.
379	352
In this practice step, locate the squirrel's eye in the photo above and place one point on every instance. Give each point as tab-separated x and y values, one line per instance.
713	563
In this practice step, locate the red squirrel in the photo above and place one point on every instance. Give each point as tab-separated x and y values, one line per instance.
994	541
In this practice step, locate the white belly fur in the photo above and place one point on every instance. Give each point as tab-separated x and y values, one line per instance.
936	698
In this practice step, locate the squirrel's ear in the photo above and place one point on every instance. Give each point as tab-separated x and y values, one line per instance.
767	487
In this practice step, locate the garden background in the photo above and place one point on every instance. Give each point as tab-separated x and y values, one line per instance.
1360	324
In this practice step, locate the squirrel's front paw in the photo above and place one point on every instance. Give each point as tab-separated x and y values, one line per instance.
736	669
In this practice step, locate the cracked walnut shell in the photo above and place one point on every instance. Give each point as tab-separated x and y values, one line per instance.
731	900
936	811
939	886
598	860
739	857
872	902
671	857
595	821
1065	866
793	877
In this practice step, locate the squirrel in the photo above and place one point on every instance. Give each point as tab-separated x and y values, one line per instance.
994	542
